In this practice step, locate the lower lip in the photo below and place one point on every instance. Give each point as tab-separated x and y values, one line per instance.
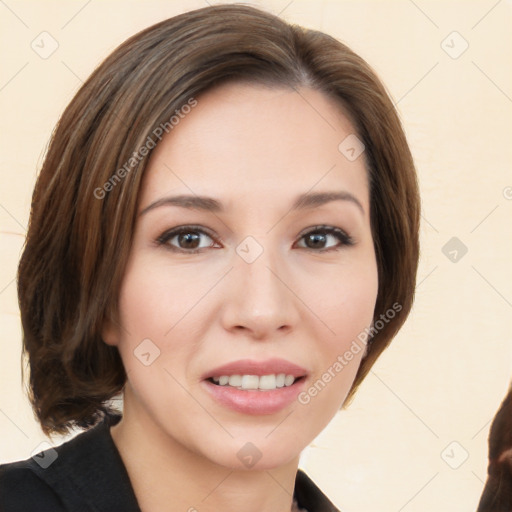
254	401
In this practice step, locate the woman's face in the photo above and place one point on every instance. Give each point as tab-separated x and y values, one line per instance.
247	285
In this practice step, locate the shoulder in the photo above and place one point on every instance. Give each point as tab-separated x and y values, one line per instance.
309	496
83	474
22	490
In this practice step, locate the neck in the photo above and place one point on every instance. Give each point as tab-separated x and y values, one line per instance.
166	475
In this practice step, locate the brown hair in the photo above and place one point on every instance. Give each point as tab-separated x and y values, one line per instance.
79	239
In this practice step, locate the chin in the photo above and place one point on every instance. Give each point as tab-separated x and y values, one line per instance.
257	452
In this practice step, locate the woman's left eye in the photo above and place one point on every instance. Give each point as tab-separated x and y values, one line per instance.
320	235
187	239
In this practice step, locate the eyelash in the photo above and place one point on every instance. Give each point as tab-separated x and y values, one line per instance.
163	239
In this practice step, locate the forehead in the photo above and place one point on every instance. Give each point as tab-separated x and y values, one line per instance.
246	141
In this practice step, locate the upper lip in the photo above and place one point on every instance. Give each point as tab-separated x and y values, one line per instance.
259	368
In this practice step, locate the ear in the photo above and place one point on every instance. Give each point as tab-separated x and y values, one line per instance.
369	341
110	331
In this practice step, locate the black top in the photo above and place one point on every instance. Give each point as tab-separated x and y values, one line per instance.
89	475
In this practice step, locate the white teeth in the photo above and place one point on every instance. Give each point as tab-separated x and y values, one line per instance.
248	382
267	382
235	381
280	380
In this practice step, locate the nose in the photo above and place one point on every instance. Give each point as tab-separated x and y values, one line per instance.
259	299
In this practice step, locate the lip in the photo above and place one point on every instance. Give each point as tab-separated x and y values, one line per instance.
255	402
259	368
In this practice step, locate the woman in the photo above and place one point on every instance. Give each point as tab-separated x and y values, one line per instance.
225	229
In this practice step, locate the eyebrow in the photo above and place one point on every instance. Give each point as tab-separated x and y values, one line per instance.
302	202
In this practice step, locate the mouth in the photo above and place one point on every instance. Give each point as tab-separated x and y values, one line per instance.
255	387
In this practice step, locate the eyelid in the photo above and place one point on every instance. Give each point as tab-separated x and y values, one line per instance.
171	233
344	238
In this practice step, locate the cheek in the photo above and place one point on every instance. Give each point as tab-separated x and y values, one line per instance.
145	317
149	308
154	298
156	305
346	307
338	358
347	303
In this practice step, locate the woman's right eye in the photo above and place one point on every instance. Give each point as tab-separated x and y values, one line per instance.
186	239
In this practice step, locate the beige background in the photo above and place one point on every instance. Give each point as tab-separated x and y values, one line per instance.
444	376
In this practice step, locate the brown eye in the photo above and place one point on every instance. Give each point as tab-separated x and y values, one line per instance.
186	239
319	238
191	239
